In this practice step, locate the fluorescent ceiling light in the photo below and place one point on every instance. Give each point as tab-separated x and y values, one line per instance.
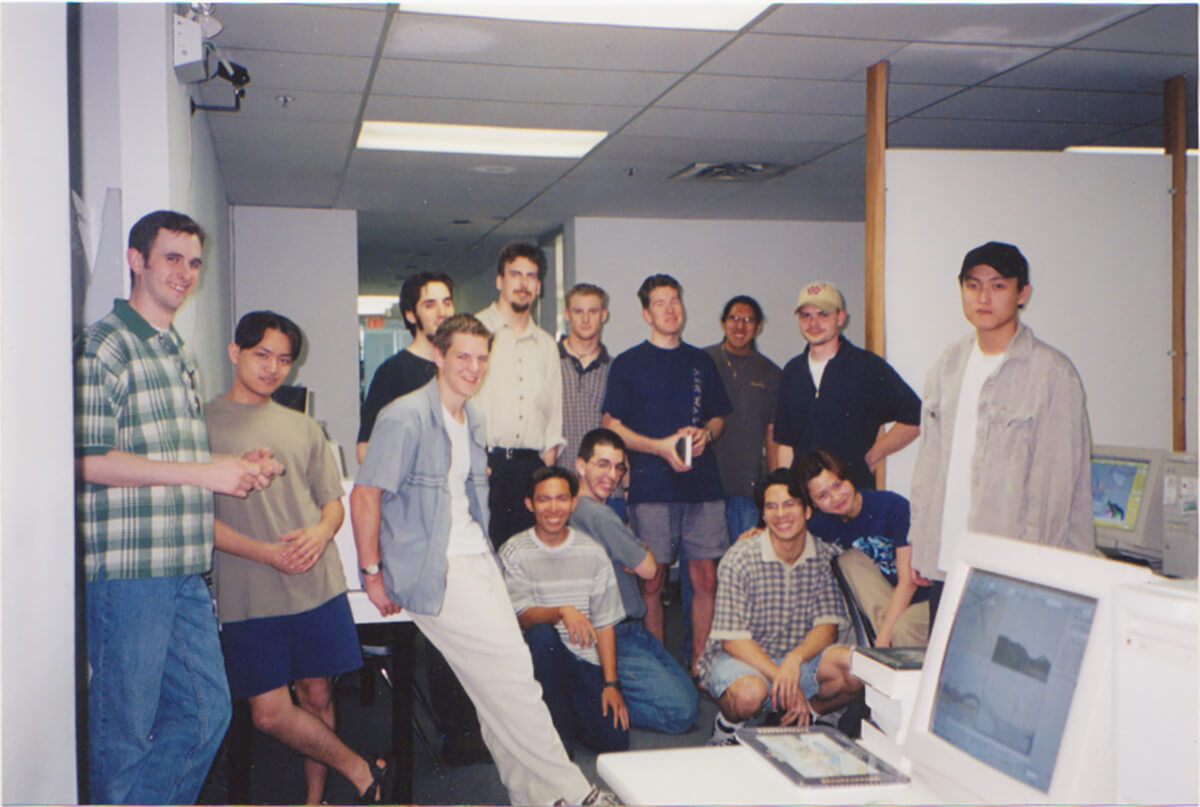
448	138
728	16
1136	150
375	304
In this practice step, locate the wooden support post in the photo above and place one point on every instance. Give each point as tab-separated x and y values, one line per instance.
877	76
1175	134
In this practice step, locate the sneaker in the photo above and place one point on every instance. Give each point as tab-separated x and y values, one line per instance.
597	795
723	733
600	796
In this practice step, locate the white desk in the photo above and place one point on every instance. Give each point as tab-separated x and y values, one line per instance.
729	775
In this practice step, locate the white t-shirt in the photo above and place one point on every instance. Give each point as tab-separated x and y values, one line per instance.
957	506
816	367
466	536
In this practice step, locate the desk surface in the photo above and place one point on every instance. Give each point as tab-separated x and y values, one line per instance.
728	775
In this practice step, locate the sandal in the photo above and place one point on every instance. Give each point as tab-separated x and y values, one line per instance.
381	779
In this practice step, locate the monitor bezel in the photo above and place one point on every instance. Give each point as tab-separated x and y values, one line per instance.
1080	773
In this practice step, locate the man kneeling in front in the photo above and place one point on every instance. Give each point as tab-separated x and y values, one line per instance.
778	613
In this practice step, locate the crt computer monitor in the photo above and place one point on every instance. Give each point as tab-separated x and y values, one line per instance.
1127	501
1016	698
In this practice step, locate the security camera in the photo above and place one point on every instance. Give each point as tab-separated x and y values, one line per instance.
233	72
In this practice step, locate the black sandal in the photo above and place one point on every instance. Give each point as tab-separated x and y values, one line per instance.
381	779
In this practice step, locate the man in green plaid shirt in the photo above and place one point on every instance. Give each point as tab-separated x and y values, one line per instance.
158	703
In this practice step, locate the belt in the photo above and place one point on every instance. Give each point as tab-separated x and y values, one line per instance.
511	453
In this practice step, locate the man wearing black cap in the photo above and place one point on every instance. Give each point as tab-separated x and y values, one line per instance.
1005	445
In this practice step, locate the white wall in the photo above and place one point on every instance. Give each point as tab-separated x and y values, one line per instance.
36	447
715	260
1096	232
304	264
139	137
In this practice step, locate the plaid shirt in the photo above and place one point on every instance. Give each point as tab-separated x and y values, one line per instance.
136	392
760	598
583	399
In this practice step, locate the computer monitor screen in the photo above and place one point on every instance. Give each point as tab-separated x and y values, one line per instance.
1118	486
1015	702
1127	502
1009	673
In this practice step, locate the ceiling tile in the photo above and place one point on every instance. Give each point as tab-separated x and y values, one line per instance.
1162	29
749	94
529	44
282	135
998	103
799	57
927	63
298	190
641	153
498	113
527	84
301	27
300	71
978	23
260	102
748	125
1071	69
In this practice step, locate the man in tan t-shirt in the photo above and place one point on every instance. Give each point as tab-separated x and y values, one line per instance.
281	589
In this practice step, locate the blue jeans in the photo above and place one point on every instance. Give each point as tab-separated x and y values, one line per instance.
658	692
158	703
572	689
740	514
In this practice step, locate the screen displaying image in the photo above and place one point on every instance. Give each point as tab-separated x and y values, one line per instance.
1009	672
1117	488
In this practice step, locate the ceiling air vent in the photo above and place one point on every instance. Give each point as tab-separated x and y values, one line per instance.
732	172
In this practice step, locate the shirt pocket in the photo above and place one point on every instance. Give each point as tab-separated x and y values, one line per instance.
1008	455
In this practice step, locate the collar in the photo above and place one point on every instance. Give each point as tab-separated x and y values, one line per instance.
546	547
845	346
136	323
602	357
767	552
494	320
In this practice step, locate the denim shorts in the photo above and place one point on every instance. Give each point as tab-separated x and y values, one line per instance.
725	669
270	652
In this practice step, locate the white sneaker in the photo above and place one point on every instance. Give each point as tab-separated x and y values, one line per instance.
723	732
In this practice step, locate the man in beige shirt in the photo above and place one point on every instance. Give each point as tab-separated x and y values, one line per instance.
521	396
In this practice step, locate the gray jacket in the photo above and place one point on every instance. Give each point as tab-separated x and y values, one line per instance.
409	459
1031	470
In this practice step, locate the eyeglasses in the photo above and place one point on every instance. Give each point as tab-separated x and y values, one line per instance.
742	320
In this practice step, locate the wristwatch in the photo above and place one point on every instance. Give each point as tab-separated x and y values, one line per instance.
614	684
374	568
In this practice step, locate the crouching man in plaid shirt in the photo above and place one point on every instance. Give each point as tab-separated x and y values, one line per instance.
778	612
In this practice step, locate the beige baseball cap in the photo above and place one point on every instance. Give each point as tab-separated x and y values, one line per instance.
823	295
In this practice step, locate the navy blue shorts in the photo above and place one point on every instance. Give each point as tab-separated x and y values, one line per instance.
267	653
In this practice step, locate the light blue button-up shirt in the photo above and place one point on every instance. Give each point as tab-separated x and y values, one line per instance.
408	458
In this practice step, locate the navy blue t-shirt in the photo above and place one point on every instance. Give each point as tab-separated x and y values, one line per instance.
880	528
656	392
859	393
399	375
